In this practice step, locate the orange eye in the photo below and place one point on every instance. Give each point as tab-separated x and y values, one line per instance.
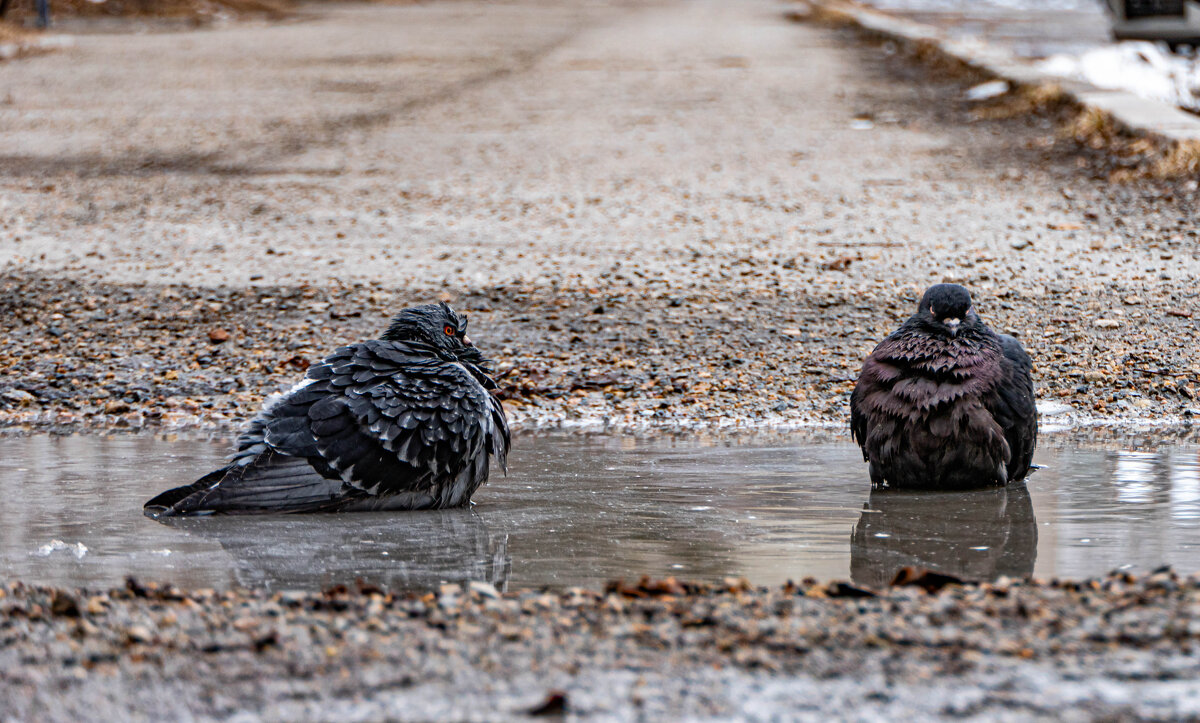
449	330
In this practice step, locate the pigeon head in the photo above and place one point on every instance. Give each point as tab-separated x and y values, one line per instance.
947	308
435	325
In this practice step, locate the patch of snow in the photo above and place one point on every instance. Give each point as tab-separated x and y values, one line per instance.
1144	69
990	89
78	549
1052	409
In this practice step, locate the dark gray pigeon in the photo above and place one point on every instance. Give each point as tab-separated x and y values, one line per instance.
945	402
403	422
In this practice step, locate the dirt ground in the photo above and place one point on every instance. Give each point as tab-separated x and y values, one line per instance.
1117	648
656	215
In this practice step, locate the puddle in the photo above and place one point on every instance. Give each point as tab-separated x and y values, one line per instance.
581	510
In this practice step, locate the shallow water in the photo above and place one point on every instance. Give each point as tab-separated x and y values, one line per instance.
584	509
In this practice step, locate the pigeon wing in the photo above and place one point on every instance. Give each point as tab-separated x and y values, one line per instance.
396	421
873	402
277	466
1013	406
269	482
860	423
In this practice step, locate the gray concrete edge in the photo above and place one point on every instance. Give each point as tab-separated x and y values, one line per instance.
1141	116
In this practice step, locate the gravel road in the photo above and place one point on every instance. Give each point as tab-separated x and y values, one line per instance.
658	214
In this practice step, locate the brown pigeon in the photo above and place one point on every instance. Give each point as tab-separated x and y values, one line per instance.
945	402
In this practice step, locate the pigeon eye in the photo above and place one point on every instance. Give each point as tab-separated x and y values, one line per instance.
449	330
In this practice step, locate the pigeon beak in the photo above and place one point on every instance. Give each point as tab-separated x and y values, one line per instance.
467	340
952	325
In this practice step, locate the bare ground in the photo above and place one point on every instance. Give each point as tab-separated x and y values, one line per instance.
1116	648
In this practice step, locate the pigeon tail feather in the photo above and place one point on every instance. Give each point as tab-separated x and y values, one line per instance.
271	483
165	504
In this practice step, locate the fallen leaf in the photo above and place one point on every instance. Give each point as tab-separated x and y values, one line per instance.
928	580
647	587
839	264
555	704
843	589
63	604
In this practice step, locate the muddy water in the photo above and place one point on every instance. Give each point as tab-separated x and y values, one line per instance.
583	509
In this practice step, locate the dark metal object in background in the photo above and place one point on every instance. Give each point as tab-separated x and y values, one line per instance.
1175	21
1152	8
43	11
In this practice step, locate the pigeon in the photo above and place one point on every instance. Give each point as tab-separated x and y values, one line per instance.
403	422
945	402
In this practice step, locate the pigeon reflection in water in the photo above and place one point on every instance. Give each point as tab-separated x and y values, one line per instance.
974	535
417	551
